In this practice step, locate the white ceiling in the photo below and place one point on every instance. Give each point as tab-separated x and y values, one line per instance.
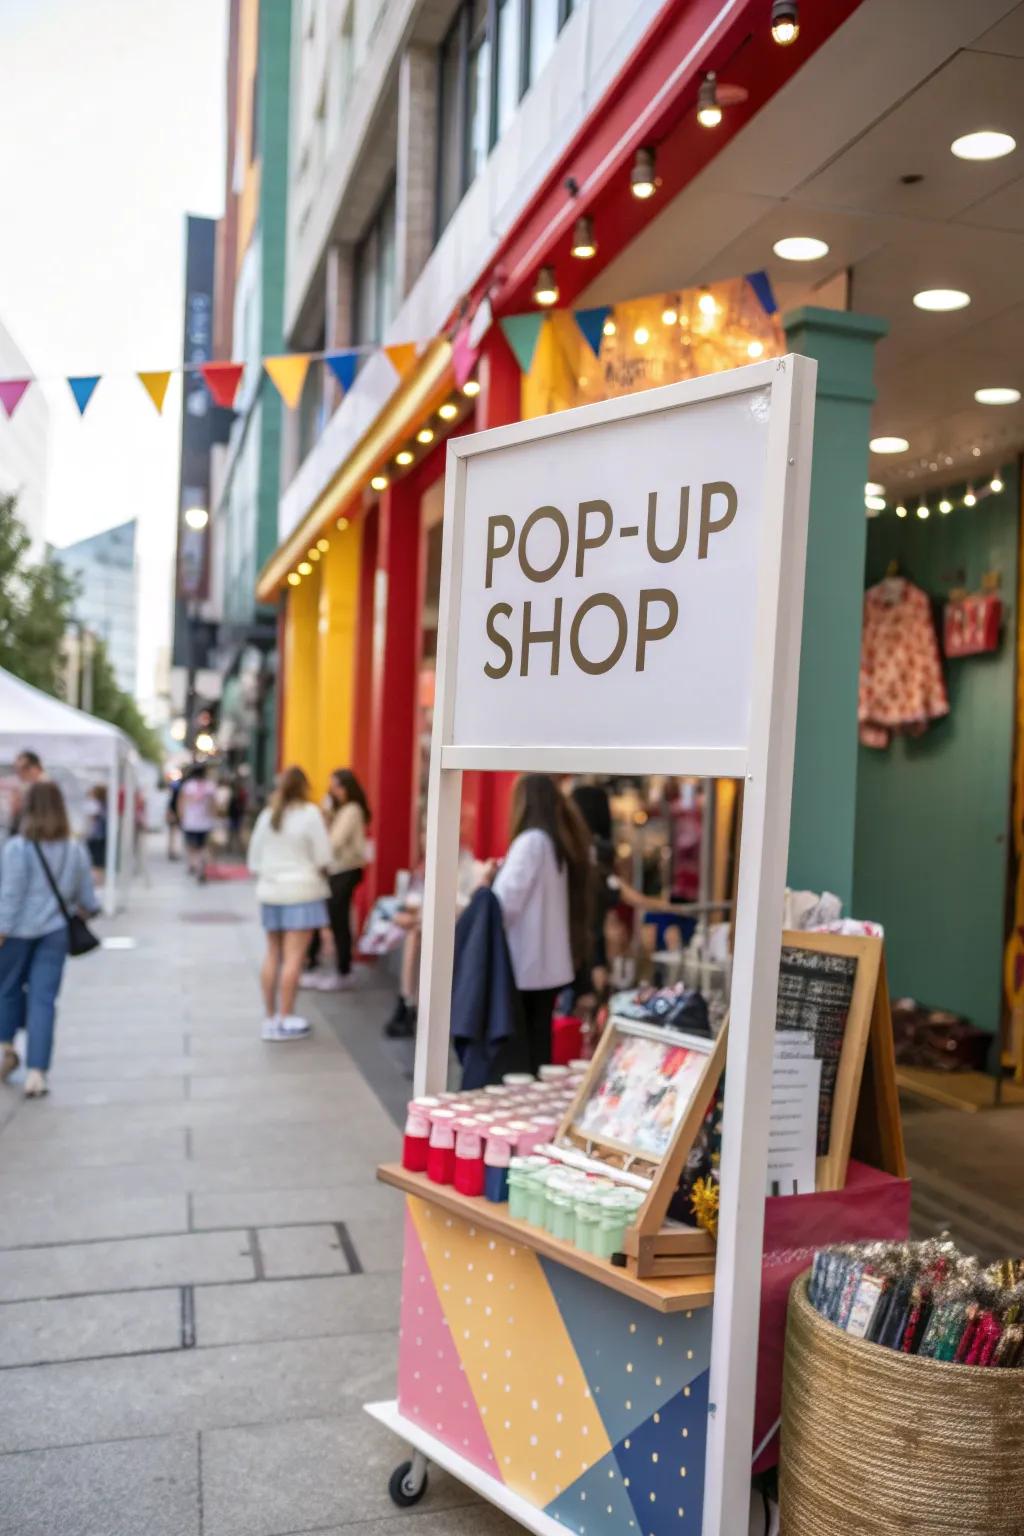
883	99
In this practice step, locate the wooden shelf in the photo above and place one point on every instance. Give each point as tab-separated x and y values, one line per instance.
678	1293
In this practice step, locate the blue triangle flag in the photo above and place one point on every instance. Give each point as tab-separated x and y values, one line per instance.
762	286
522	333
82	389
591	323
343	365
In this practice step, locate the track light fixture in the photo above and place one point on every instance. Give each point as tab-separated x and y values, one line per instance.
545	289
641	178
584	246
785	22
709	109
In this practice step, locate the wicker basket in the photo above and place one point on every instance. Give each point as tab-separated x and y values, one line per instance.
877	1443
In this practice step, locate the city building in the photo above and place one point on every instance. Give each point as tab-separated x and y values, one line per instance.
25	446
466	173
103	567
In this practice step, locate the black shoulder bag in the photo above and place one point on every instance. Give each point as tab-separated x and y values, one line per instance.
81	938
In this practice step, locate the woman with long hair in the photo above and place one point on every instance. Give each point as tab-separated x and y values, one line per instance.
544	890
33	929
348	816
289	853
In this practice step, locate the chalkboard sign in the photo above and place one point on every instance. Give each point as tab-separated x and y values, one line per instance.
834	997
815	994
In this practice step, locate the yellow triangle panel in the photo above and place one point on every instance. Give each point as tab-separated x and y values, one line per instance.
288	375
518	1358
155	385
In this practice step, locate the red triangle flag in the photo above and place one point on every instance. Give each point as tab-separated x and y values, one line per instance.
222	380
11	391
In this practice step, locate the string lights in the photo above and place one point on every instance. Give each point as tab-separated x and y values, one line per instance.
709	108
545	289
584	246
642	181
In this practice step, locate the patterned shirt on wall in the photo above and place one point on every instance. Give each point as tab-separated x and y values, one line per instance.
901	682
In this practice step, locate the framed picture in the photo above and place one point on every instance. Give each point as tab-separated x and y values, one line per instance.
643	1085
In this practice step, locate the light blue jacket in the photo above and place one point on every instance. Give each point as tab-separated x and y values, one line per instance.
28	907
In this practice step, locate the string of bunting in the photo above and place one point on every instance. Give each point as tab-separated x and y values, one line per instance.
287	371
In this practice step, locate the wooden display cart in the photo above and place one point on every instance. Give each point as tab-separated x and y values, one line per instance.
583	630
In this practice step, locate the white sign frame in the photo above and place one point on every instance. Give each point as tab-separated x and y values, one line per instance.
766	768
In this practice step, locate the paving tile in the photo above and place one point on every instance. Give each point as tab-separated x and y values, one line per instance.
133	1488
32	1332
378	1240
101	1148
193	1389
365	1146
265	1481
473	1519
140	1067
149	1090
63	1217
296	1309
133	1263
309	1085
268	1207
294	1251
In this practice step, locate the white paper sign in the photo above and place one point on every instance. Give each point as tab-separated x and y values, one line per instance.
609	579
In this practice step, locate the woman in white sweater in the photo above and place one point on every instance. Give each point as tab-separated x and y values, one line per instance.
347	817
289	853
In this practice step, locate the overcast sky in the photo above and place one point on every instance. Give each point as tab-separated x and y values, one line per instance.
111	129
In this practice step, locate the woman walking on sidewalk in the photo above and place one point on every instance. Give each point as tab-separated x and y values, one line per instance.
289	853
33	929
348	817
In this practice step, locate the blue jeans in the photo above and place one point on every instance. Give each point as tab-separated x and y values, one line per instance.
30	975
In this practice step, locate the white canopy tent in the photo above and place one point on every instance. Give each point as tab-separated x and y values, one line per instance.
76	747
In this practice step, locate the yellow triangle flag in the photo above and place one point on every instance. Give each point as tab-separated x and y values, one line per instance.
402	356
155	385
288	375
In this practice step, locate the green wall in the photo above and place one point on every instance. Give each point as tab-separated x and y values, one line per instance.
933	814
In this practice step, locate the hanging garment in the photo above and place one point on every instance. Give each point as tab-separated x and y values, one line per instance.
901	682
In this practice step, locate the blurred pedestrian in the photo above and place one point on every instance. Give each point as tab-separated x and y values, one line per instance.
289	853
28	768
197	813
348	816
96	827
33	928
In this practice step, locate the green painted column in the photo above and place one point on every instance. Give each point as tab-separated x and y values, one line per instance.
821	839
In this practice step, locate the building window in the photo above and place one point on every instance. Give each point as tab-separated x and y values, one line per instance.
492	53
374	298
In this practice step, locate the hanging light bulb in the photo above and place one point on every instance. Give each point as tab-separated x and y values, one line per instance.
609	328
923	510
545	289
404	457
425	435
641	178
471	388
323	545
996	484
641	335
709	110
448	411
945	505
584	246
304	568
970	499
313	554
755	349
707	303
785	22
379	483
901	510
669	315
294	578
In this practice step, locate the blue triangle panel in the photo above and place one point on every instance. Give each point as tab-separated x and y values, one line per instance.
762	286
596	1504
82	389
591	324
343	365
634	1358
662	1464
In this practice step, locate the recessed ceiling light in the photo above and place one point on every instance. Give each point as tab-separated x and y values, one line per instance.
986	144
942	299
872	488
997	394
888	445
800	248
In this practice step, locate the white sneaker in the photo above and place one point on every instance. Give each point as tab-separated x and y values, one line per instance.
294	1027
333	983
273	1029
311	978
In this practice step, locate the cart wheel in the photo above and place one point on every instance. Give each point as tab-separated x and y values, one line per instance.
405	1487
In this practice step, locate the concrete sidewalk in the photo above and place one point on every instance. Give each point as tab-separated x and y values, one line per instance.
199	1277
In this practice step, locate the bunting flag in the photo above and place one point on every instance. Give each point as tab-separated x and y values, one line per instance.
288	375
591	324
82	389
401	356
11	391
155	385
464	356
222	380
522	332
343	366
762	286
